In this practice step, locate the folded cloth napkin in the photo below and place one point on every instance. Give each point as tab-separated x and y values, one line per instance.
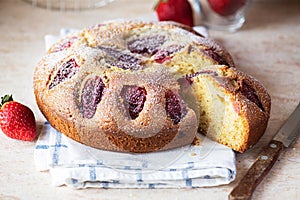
76	165
73	164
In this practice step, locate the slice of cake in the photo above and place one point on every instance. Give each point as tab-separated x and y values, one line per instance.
234	107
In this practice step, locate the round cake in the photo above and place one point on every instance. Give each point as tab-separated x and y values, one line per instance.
147	86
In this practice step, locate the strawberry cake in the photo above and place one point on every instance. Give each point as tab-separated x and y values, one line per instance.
148	86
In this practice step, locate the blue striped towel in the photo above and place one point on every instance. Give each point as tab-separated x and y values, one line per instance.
76	165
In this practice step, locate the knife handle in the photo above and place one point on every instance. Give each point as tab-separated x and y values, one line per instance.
256	173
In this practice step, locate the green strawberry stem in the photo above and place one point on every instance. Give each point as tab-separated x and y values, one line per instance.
6	98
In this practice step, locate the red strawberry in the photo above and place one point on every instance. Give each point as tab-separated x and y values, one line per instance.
226	7
16	120
175	10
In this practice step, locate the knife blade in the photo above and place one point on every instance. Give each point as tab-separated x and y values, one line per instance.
267	157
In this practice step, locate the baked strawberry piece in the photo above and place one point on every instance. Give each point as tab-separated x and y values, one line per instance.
146	45
65	44
173	106
92	93
66	71
122	60
135	98
166	54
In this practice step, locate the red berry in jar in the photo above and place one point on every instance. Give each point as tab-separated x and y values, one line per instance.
226	7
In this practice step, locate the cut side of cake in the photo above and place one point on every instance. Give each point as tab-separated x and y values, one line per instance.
234	107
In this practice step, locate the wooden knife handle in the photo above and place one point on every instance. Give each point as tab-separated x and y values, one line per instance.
257	171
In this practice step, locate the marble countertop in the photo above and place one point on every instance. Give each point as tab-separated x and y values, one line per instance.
267	47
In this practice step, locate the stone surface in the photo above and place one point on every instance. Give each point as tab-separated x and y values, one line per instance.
267	47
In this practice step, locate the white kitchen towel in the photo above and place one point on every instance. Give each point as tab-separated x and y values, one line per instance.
79	166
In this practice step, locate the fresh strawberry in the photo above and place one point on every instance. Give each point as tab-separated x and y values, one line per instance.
175	10
226	7
17	120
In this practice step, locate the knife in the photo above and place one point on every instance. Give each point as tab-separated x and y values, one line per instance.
267	157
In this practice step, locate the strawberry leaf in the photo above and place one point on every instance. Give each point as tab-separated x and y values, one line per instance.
6	98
